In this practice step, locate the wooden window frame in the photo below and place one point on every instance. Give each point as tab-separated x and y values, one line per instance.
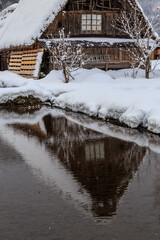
91	23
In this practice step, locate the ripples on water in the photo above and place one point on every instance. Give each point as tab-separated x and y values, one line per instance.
65	176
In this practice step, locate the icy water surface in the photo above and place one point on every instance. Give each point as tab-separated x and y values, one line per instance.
64	176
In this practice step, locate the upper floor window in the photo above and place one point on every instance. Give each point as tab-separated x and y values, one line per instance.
91	23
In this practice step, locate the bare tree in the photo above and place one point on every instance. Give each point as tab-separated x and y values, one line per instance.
143	34
67	57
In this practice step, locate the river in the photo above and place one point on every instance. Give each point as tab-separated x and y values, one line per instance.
66	176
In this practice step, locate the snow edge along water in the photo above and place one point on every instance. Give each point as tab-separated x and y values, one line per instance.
100	94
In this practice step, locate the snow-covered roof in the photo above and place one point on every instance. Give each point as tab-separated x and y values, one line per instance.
91	42
29	21
6	13
111	41
155	34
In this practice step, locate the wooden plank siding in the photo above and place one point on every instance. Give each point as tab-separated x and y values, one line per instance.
106	58
23	62
71	22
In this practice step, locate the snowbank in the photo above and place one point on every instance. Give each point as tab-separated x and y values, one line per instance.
13	86
112	94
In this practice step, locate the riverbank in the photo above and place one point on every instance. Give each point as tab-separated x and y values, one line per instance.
112	95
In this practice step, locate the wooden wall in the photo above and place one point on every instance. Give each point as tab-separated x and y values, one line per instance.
4	60
106	58
71	22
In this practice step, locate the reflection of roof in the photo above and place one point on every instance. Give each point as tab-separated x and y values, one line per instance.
47	167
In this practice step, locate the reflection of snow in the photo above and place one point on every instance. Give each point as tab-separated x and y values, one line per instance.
38	64
28	118
144	139
131	135
42	126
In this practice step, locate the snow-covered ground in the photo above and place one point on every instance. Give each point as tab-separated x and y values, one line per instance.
112	94
13	86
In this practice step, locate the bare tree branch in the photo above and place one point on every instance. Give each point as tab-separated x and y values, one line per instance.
67	57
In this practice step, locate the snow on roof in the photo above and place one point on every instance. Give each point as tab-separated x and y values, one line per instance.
146	19
6	13
91	42
95	39
28	21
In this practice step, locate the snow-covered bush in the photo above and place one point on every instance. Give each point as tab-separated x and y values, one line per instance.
67	57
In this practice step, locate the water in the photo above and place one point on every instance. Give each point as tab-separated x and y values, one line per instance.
65	176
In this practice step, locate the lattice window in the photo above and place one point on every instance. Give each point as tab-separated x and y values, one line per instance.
91	23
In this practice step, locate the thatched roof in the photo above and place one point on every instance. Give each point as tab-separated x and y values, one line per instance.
29	21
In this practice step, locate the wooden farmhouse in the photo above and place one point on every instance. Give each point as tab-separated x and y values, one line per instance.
90	23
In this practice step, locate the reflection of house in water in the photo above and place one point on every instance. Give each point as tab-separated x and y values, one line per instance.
103	166
94	151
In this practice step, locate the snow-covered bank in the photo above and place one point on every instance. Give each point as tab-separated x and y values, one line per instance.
13	86
112	94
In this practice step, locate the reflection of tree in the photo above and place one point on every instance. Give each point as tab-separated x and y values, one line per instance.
103	166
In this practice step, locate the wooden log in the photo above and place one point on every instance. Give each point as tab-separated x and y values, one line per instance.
16	52
14	64
25	72
32	67
29	58
28	62
14	68
16	57
30	55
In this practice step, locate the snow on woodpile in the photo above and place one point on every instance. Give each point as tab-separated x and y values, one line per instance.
6	13
38	64
28	22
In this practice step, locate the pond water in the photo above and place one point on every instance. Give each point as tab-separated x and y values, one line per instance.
65	176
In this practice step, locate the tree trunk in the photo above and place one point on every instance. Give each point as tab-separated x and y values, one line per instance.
148	65
65	72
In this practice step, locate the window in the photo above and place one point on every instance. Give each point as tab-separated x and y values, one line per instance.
91	23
